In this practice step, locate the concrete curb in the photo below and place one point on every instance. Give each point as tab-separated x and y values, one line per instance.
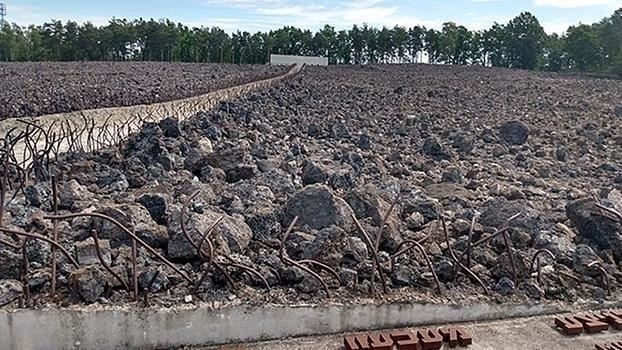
123	328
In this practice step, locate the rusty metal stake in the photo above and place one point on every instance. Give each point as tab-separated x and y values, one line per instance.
535	259
54	235
600	267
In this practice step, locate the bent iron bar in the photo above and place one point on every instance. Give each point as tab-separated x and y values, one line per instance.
421	339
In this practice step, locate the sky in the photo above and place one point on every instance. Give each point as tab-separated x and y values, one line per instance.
261	15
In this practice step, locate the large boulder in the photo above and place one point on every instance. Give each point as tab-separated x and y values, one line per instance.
232	234
601	231
135	218
328	246
317	208
514	132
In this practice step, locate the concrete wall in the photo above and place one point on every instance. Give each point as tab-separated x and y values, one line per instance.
123	328
284	60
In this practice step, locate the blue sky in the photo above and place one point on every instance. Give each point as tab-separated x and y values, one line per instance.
253	15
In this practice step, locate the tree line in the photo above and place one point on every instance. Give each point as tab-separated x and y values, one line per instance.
521	43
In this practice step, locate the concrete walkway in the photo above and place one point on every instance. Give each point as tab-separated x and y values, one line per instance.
534	333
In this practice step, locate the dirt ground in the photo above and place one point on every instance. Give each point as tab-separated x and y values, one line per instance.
535	333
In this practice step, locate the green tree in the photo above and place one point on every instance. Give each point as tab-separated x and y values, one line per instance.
525	41
582	47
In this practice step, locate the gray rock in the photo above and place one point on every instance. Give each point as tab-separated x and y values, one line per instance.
10	290
292	275
429	208
404	275
497	211
603	232
73	196
514	132
232	235
309	285
453	174
464	144
340	131
11	263
37	194
355	252
328	246
317	208
433	147
562	154
364	142
617	111
156	284
559	244
90	281
264	221
86	253
135	218
312	173
157	206
505	286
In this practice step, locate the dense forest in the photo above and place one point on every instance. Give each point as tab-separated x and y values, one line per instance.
521	43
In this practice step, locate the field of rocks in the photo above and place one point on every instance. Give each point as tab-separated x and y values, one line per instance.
402	182
38	88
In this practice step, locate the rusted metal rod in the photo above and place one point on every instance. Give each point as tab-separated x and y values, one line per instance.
103	262
374	255
379	233
42	238
600	267
288	261
417	245
535	259
456	261
54	234
128	232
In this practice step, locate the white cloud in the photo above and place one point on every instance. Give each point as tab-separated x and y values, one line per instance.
26	15
576	3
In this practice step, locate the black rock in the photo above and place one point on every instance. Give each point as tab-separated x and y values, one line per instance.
444	270
603	232
562	154
155	283
364	142
505	286
157	205
170	127
91	282
312	173
317	207
433	147
514	132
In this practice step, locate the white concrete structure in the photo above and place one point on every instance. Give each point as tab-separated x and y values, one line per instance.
285	60
110	327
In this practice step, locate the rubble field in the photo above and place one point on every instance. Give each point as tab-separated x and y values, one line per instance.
33	89
485	184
